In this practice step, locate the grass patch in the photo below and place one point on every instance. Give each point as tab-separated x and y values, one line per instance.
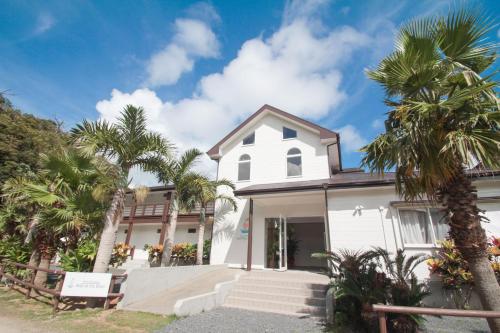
15	306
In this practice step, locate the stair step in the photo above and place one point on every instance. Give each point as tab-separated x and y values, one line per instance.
291	291
274	306
295	276
297	299
283	283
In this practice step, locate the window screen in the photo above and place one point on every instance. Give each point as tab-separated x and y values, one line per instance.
294	163
244	167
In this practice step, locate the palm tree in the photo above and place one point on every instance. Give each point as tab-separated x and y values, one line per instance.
444	118
177	172
68	199
128	144
200	193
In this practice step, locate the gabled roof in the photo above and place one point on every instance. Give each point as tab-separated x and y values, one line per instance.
324	133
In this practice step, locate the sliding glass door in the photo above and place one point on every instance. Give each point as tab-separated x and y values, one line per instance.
276	243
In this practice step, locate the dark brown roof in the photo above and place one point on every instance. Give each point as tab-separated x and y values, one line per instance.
340	180
324	133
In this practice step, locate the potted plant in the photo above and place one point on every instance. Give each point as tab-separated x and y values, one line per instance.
155	252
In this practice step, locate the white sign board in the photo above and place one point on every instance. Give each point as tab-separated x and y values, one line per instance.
86	284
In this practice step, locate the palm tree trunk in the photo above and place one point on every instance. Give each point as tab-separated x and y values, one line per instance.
460	199
113	217
168	244
34	261
201	236
41	277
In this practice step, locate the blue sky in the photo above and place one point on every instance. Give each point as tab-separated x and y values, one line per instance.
200	68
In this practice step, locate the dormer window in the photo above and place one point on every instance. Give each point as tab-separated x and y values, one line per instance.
249	140
289	133
294	163
244	167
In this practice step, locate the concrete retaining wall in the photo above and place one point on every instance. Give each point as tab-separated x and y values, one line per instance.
145	282
205	302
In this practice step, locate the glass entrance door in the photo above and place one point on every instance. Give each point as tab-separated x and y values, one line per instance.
276	243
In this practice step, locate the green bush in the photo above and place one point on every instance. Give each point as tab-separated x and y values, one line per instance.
360	279
14	249
80	260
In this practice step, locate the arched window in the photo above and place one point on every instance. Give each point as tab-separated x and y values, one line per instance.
294	163
244	167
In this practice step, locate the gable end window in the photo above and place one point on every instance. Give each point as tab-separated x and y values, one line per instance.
244	167
289	133
294	163
249	140
422	226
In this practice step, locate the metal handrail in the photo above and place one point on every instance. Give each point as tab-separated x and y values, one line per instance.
382	309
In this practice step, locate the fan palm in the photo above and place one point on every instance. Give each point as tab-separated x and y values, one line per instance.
177	172
199	191
444	118
128	144
68	199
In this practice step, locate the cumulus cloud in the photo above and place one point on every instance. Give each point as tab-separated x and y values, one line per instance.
193	39
350	138
297	69
378	124
45	21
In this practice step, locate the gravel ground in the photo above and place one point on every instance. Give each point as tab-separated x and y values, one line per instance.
227	320
456	325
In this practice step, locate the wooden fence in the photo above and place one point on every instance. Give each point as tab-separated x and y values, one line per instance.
54	292
381	310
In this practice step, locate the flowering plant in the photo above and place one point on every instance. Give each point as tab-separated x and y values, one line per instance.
155	252
120	254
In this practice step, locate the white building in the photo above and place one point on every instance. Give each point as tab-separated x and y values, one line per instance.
290	180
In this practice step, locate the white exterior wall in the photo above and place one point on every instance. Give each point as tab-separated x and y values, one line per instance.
268	165
366	228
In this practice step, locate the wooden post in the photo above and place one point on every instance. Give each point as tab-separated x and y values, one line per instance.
165	217
111	287
1	271
382	322
32	281
250	227
131	223
57	296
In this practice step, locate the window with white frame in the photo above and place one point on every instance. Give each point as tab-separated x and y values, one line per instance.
289	133
294	163
249	140
244	167
422	226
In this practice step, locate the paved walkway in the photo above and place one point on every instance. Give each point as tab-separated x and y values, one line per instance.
227	320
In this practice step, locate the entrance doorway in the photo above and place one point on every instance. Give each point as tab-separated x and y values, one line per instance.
290	243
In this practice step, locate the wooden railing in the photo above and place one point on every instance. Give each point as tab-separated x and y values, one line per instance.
381	310
157	210
54	292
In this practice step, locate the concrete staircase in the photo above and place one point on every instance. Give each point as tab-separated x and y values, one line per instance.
294	293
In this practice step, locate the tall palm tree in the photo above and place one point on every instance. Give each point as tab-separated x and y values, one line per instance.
177	172
444	118
200	193
69	200
128	144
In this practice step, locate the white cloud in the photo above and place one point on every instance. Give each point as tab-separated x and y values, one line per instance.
192	39
378	124
350	138
345	10
498	33
296	69
45	21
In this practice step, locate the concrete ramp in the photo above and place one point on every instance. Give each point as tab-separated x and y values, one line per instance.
185	282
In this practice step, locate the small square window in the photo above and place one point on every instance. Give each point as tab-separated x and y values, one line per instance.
249	140
125	231
191	230
289	133
158	231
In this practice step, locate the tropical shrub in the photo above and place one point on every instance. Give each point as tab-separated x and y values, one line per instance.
363	278
494	255
184	251
120	254
155	252
81	259
15	250
453	271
